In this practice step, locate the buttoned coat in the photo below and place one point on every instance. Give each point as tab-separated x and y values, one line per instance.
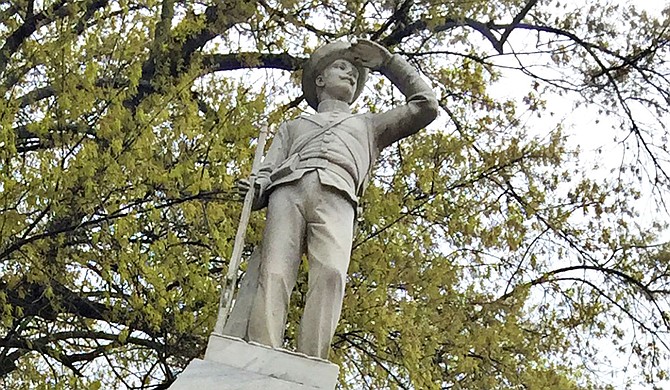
344	146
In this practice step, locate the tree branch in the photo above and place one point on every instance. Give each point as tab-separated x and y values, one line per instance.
59	9
517	19
250	60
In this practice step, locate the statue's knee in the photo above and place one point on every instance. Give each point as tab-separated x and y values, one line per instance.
273	276
331	279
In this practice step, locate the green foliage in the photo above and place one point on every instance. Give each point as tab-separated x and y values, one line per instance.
486	258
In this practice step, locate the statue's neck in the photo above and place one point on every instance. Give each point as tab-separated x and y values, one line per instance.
328	105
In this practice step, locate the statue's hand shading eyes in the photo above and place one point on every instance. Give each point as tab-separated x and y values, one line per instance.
369	54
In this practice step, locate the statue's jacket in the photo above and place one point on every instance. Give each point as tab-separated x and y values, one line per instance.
340	146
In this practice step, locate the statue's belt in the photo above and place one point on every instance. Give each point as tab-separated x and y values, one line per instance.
294	163
322	163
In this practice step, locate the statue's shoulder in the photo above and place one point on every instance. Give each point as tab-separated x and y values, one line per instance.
304	117
306	120
297	121
289	124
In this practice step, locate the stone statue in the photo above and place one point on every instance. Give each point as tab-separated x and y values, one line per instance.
311	180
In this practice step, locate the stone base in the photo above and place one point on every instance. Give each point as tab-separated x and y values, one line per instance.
205	375
233	364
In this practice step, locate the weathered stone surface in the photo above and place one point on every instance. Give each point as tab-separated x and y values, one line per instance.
282	364
311	179
206	375
233	364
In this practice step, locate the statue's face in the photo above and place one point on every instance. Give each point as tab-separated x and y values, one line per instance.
338	80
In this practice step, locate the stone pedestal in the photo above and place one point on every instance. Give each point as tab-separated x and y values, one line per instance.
233	364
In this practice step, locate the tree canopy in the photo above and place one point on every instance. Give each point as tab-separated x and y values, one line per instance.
488	255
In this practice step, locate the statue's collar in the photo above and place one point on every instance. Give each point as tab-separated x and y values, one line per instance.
333	105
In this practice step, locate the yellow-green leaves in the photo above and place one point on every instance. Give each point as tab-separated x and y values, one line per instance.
487	257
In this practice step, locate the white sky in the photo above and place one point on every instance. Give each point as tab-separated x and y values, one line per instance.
590	131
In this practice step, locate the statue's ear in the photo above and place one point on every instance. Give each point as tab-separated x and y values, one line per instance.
319	81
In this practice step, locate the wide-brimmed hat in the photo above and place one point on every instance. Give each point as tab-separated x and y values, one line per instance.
320	59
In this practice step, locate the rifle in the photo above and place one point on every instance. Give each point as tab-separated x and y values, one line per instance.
230	281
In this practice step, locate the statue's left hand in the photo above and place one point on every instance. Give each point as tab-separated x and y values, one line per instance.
370	54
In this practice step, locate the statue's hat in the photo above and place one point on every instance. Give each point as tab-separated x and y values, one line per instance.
320	59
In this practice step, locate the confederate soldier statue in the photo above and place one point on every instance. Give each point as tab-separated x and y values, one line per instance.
311	180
